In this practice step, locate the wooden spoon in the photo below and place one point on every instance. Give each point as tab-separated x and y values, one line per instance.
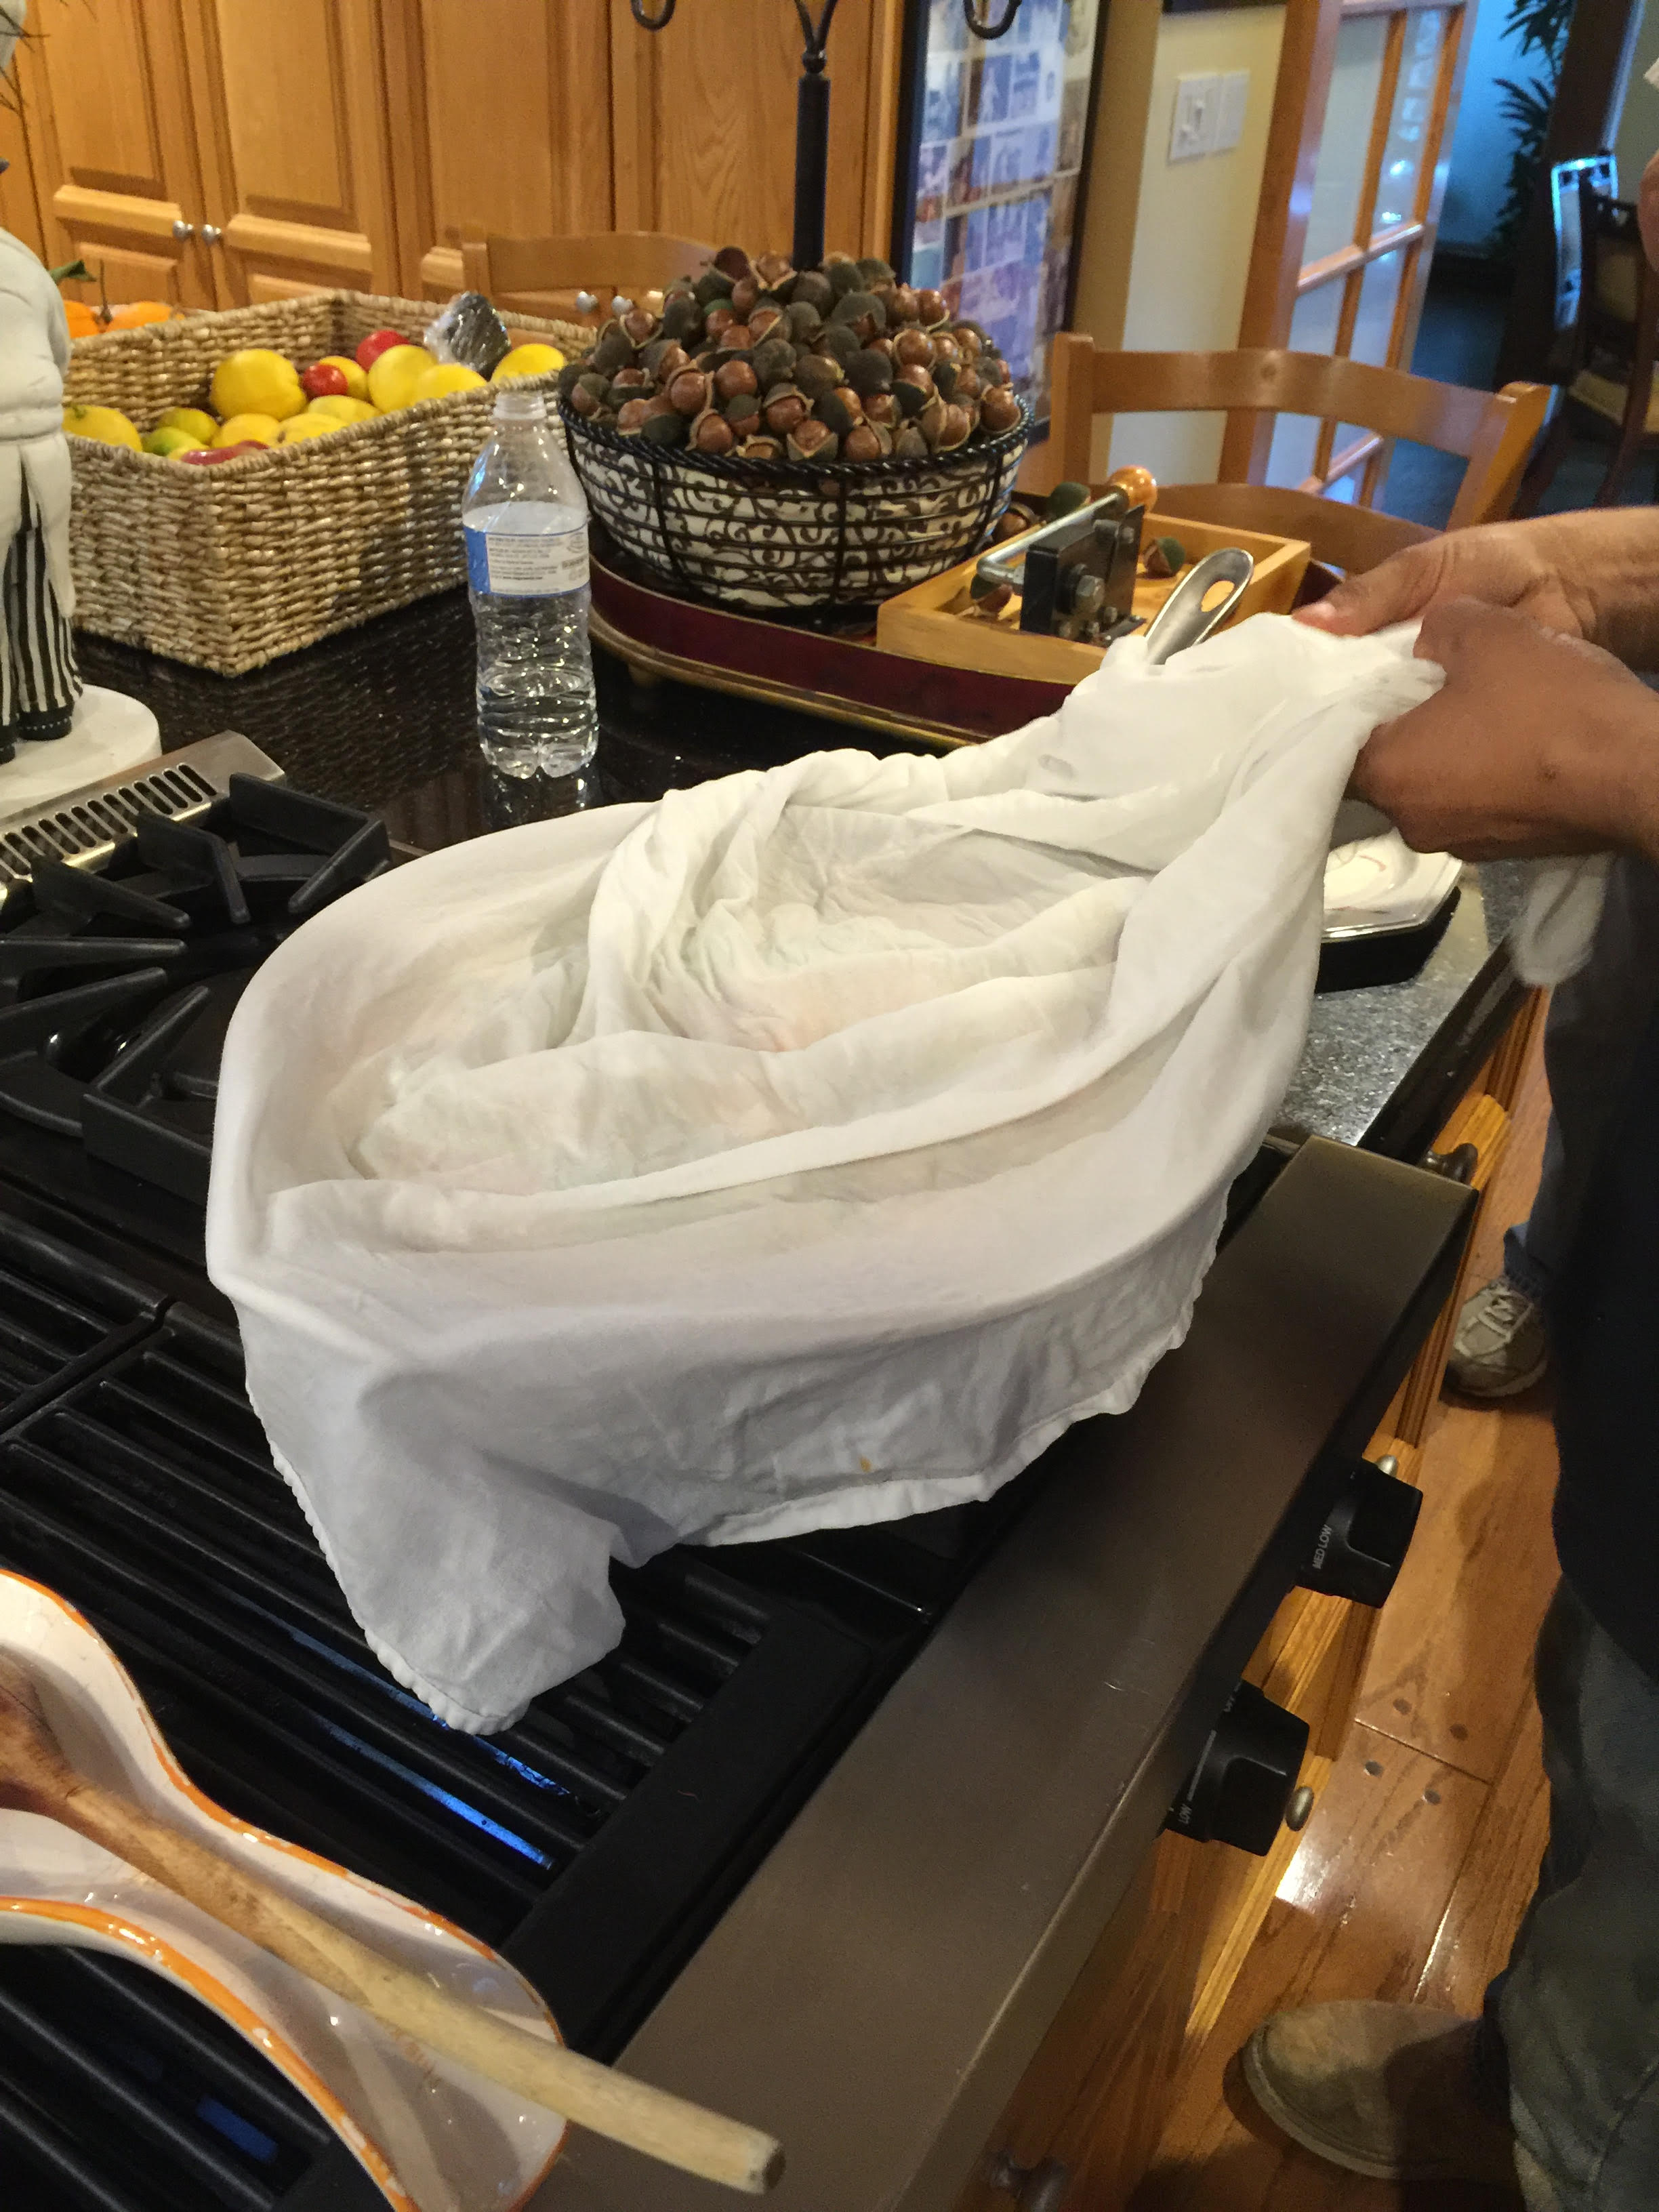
36	1777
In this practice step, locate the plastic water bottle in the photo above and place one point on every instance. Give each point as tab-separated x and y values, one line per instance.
526	522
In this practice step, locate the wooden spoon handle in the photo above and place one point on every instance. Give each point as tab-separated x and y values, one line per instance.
650	2120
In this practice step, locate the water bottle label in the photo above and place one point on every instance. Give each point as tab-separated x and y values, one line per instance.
526	567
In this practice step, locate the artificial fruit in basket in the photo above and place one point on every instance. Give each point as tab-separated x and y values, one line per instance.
336	408
106	426
256	381
194	421
356	380
445	377
376	343
393	376
168	440
210	456
248	430
530	360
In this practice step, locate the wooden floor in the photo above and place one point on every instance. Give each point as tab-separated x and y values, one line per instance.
1414	1869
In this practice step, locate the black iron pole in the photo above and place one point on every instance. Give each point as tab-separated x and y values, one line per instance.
811	162
812	109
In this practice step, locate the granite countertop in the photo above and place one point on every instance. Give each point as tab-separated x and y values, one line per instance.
383	717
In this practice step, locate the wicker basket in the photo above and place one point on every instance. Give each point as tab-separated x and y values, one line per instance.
792	533
228	566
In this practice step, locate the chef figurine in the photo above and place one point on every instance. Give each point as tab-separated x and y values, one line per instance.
39	683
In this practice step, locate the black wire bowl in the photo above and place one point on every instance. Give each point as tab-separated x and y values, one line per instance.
794	534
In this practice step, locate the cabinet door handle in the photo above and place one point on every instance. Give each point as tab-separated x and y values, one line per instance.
1041	2188
183	230
211	233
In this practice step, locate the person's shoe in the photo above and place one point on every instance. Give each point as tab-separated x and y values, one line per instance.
1499	1347
1388	2090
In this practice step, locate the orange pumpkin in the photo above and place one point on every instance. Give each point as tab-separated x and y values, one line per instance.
139	313
82	323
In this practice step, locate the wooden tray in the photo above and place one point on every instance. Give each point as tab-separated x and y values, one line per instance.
931	622
845	678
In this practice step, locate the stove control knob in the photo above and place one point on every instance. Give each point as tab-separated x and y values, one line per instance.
1041	2188
1363	1543
1245	1780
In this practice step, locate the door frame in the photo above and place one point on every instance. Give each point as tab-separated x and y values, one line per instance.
1277	277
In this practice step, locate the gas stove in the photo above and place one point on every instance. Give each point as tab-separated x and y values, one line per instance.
594	1843
121	962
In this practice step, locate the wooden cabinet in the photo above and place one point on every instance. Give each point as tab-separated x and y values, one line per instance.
704	121
503	124
294	133
106	109
213	151
19	206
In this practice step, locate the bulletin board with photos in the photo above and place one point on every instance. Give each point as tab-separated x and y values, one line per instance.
991	189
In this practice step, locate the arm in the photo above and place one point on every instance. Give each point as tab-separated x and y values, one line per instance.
1536	743
1593	575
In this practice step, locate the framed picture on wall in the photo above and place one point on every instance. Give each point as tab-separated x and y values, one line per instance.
993	152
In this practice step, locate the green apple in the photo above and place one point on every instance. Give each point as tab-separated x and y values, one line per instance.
170	441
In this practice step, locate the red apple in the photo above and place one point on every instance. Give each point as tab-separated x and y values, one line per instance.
208	455
375	344
322	381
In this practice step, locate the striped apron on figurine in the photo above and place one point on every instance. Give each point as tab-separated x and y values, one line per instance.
38	681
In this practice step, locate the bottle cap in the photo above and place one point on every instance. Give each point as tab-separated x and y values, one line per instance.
519	406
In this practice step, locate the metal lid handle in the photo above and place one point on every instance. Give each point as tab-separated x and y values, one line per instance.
1183	619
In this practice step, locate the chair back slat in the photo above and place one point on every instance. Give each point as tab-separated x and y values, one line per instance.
1387	400
604	263
1493	431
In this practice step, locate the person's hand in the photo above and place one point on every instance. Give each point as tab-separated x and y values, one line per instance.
1506	564
1536	743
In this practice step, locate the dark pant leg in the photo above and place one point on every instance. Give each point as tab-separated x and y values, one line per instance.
1579	2007
1590	1033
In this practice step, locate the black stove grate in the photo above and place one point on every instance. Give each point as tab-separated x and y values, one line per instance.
146	1497
594	1843
60	1315
119	2093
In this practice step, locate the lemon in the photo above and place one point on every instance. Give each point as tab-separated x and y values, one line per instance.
393	376
356	383
108	425
195	421
174	440
308	426
527	360
263	429
448	376
338	409
256	381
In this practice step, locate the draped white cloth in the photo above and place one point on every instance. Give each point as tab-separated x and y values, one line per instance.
807	1149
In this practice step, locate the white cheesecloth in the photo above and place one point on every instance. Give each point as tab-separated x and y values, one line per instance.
809	1148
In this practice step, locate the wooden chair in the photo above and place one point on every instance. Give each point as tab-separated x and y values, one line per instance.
539	276
1494	431
1608	349
1572	183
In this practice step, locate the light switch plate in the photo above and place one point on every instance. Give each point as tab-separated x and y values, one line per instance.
1231	104
1192	133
